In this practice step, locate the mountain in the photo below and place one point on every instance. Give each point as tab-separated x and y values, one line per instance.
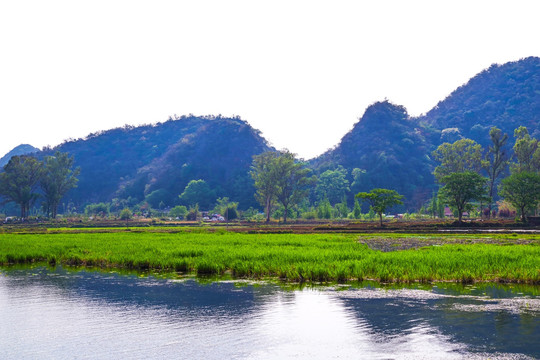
392	150
22	149
133	162
506	96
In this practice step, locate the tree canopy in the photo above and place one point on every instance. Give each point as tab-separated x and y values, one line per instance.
522	190
461	188
279	177
460	156
381	200
19	181
332	185
58	178
198	192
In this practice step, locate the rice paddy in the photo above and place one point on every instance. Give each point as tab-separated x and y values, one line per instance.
288	257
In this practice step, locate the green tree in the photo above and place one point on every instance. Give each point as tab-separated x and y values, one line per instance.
126	215
178	212
460	189
381	200
228	209
526	152
101	209
460	156
19	181
293	181
522	190
496	160
197	192
58	178
324	209
333	185
266	177
158	197
357	210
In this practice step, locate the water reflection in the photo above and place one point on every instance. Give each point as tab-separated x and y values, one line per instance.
61	314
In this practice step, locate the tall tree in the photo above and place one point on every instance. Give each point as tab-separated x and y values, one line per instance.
19	181
381	200
522	190
293	180
460	189
265	175
333	185
279	177
58	178
197	192
460	156
526	152
496	160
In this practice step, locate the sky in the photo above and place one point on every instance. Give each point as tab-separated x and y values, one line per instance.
302	72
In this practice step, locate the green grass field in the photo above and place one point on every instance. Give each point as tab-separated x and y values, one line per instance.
290	257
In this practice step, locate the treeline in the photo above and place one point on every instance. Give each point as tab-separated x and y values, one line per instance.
470	178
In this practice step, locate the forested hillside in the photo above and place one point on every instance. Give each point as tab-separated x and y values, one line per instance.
133	162
389	149
506	96
22	149
386	148
395	151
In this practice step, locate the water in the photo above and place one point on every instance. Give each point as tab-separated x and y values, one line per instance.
54	313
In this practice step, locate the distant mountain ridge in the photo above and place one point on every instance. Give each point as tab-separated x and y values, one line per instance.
19	150
395	149
391	148
132	162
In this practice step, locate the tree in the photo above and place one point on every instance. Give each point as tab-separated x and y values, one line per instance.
178	212
264	174
496	160
460	189
522	190
357	210
526	152
126	214
293	181
197	192
460	156
228	209
333	185
19	181
58	178
381	200
101	209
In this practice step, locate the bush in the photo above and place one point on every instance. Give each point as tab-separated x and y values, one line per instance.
178	212
126	214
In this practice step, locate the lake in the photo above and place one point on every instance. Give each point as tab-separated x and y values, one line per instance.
76	314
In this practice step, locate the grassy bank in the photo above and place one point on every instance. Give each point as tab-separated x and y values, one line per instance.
291	257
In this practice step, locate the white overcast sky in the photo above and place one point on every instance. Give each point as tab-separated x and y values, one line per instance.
302	72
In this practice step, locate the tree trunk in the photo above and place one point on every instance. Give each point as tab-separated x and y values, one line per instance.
380	219
460	215
523	218
285	215
268	210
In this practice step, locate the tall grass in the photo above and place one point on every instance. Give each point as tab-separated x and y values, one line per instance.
290	257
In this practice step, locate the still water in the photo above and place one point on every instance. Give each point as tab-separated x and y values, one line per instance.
61	314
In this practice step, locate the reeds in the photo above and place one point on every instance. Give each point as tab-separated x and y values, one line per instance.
289	257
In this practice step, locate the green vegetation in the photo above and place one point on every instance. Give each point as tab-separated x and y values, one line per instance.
290	257
381	200
522	190
461	188
278	177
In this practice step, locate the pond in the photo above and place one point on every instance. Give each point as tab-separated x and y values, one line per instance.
59	313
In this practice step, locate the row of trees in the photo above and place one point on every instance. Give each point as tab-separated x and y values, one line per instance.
26	179
462	163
